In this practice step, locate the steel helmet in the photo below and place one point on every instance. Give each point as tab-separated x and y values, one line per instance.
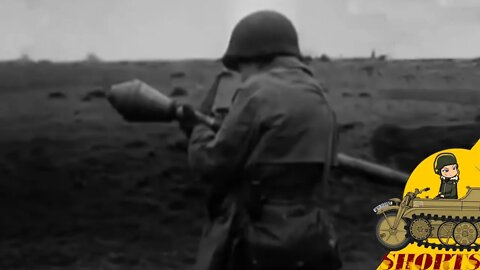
443	160
261	34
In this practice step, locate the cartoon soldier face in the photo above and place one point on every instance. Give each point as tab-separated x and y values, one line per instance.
446	165
450	170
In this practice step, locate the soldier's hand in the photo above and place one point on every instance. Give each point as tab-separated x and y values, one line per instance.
187	119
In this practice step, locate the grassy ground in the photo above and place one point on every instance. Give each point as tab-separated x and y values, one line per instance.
82	189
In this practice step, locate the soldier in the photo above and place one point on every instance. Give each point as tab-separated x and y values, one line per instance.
271	151
446	166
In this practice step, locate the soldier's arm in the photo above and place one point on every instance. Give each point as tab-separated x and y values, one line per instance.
442	186
225	153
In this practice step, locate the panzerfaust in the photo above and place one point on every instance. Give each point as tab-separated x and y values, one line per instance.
435	223
138	102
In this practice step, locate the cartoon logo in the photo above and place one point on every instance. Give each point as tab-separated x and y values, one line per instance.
436	225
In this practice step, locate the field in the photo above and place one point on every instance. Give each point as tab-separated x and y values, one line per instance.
82	189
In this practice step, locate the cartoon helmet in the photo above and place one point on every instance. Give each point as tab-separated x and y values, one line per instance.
443	160
261	34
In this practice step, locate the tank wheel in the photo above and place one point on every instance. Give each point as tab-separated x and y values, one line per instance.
477	225
445	233
392	239
465	233
420	229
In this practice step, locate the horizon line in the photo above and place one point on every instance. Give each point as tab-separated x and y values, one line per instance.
20	60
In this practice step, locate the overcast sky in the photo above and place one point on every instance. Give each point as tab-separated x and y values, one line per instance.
175	29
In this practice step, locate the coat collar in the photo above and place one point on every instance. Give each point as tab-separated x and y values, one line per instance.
455	178
288	62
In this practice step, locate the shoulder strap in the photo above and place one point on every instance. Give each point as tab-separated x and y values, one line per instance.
330	153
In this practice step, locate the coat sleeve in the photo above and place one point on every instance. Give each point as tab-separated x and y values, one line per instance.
226	152
442	187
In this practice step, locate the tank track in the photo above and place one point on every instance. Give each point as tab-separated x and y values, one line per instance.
457	219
